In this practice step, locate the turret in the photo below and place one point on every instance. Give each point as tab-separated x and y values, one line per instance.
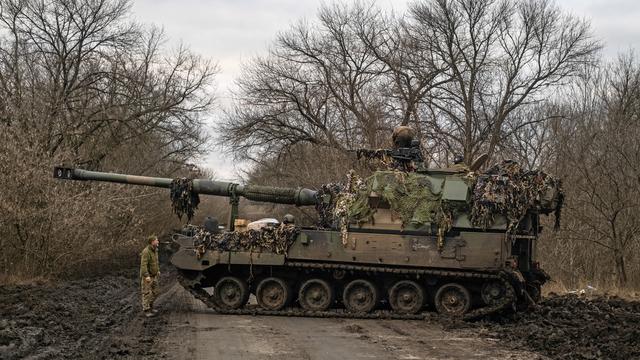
401	196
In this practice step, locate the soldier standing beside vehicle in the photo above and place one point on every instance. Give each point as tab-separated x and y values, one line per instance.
149	274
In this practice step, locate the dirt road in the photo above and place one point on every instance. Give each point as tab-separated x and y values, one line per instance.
99	318
194	332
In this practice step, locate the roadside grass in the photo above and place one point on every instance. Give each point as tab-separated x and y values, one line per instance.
587	289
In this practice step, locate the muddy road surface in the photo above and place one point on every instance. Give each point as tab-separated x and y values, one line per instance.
99	318
195	332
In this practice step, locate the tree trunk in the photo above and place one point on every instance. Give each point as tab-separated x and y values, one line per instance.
621	270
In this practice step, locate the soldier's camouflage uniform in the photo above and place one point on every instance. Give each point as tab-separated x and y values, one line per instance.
149	267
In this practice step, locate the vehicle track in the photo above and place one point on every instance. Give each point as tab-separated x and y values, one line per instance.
197	289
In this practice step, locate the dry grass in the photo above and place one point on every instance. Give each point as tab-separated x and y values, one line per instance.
558	287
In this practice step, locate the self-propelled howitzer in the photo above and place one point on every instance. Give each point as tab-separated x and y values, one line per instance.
390	245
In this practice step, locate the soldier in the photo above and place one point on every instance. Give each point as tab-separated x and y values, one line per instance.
149	274
402	137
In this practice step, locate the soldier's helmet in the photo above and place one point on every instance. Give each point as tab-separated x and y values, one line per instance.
402	137
288	219
211	224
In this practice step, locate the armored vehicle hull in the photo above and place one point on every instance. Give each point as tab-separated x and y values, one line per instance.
391	274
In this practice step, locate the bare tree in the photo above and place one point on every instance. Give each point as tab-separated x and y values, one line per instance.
320	84
500	56
531	138
410	65
457	70
600	159
80	70
80	83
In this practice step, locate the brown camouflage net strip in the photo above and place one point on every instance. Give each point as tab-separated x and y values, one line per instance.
345	204
274	239
506	189
184	201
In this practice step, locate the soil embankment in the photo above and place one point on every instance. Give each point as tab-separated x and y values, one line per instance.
91	318
571	327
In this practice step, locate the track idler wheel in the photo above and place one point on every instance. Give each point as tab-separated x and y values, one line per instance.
360	296
452	299
273	293
407	297
231	293
316	295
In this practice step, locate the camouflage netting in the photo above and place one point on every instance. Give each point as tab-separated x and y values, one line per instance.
503	190
184	200
409	195
274	239
345	201
506	189
325	203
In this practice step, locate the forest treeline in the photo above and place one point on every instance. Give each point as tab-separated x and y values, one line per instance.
82	84
515	79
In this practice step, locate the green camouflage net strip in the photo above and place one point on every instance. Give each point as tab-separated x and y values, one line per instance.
409	195
184	201
503	190
325	203
506	189
275	239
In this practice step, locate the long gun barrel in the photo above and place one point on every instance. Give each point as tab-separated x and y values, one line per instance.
294	196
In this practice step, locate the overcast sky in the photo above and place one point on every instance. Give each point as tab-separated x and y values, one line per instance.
232	31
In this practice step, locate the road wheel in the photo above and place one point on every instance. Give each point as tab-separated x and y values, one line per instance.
360	296
273	293
452	299
316	295
493	292
231	292
407	297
